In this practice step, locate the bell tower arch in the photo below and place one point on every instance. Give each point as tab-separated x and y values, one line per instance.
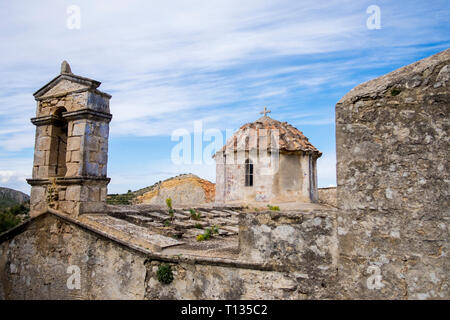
71	146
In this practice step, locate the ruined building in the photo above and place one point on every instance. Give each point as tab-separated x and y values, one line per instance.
387	238
267	161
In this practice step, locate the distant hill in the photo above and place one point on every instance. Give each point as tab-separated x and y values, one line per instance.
184	189
10	197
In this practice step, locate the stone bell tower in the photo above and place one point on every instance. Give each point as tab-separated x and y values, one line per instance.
71	146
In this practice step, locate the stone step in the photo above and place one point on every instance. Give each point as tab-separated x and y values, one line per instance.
178	215
233	229
157	215
221	213
223	221
233	213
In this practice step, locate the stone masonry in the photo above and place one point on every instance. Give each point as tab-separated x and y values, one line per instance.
387	238
393	153
71	149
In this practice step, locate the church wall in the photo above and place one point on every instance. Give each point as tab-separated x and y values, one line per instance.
220	178
291	181
281	178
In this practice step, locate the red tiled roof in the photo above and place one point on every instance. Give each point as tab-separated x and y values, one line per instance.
263	132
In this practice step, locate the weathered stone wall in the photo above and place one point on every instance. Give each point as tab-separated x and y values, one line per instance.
203	281
392	140
34	264
303	243
393	175
328	196
388	238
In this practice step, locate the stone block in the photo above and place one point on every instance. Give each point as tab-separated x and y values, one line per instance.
73	143
42	172
91	169
92	207
62	195
38	202
75	156
79	128
94	194
39	158
103	194
73	193
73	169
92	143
43	143
67	206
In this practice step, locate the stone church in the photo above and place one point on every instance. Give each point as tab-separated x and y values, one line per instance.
387	237
267	161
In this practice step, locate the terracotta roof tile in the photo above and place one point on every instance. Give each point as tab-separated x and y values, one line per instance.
262	132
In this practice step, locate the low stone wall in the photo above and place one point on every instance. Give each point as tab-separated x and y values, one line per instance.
34	262
328	196
305	244
317	255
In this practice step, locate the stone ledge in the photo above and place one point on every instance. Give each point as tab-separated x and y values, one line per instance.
87	114
68	180
45	120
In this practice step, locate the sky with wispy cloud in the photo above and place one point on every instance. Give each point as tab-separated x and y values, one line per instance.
169	63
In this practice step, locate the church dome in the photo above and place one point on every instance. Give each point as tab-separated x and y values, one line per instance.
260	133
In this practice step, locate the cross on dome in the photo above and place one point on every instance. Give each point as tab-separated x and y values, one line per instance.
265	111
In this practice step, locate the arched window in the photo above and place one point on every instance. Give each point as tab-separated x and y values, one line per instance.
248	173
59	145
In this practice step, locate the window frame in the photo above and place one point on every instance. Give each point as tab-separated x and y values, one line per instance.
249	173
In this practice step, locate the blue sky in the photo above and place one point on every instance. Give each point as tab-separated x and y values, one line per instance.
169	63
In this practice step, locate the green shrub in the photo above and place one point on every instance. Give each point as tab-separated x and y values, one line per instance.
273	208
194	214
125	198
201	237
17	209
169	203
208	233
164	273
395	92
8	221
198	226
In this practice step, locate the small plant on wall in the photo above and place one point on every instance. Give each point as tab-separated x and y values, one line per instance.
52	194
164	273
194	214
208	233
169	206
273	208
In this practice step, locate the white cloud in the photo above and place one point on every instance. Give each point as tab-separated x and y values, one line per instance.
160	59
326	170
14	172
169	63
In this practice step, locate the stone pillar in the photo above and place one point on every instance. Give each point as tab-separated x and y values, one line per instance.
71	146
